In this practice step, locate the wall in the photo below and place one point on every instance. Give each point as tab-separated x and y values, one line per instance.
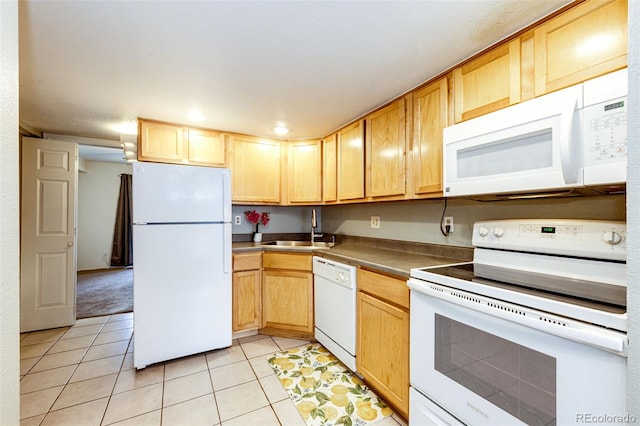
98	191
633	212
9	217
283	219
419	221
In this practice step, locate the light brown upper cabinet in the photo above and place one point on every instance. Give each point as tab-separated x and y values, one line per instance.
255	169
584	42
206	147
161	142
305	172
171	143
487	83
351	162
329	169
385	151
430	107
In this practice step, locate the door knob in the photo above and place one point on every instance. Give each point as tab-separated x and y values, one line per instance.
70	244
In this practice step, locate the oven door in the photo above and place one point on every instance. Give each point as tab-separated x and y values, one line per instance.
488	369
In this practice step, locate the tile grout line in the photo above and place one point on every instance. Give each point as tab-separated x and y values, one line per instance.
104	414
213	390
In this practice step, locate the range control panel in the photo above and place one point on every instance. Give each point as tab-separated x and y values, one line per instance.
582	238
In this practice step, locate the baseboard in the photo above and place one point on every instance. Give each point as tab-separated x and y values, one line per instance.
94	271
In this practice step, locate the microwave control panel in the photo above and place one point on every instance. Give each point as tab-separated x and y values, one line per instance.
605	132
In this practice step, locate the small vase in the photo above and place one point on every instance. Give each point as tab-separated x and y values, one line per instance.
257	237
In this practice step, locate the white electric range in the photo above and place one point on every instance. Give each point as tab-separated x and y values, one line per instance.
533	331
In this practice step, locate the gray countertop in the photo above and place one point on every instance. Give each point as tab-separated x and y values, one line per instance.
392	262
387	256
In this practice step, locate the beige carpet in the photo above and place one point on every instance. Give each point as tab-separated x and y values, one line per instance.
325	392
104	292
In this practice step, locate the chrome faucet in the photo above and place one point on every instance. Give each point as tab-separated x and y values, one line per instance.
314	224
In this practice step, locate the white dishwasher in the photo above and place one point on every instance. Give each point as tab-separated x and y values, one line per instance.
335	308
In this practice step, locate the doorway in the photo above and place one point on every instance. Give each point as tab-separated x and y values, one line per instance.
101	289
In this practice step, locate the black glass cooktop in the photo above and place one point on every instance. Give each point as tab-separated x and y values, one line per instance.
606	298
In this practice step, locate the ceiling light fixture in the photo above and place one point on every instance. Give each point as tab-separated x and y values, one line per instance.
196	115
280	129
126	127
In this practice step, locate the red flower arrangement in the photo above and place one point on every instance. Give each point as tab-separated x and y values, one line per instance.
257	218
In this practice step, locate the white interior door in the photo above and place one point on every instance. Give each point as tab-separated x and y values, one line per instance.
49	193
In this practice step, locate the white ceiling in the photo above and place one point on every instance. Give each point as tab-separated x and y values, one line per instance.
314	65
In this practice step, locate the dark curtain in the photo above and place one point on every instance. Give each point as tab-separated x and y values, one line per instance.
122	249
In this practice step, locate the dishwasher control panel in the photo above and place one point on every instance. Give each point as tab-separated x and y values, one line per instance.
340	273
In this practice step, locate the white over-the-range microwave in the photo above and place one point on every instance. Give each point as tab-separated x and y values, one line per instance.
573	138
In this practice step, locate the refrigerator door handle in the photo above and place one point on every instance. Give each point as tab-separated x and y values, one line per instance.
226	250
226	196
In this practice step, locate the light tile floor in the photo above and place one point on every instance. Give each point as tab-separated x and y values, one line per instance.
84	375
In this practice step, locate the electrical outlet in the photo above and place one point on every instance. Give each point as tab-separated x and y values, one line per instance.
238	220
375	222
448	221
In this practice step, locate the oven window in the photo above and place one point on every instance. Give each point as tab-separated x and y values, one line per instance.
517	379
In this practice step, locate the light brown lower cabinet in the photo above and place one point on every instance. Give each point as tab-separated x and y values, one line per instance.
382	337
247	291
287	293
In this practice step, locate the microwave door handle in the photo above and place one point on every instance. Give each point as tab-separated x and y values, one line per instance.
568	154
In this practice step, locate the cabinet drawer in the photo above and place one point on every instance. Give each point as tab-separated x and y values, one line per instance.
247	261
295	261
394	290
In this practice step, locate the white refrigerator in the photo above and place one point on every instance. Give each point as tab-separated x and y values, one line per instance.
181	261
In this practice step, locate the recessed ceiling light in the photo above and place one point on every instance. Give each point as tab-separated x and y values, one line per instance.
196	115
281	130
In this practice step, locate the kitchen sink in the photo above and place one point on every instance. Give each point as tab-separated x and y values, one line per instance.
299	244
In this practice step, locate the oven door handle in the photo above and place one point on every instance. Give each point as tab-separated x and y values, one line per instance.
598	337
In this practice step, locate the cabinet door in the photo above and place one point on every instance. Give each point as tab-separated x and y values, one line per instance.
206	147
305	172
487	83
161	142
429	119
351	162
383	350
246	300
287	300
584	42
385	151
255	169
329	168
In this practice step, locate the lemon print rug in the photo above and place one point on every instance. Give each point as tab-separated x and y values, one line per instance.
324	391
